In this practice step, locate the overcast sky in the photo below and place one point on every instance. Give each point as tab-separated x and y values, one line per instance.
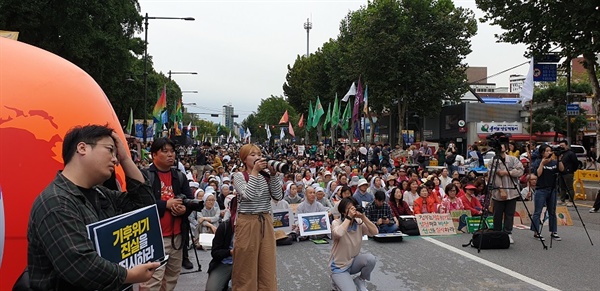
241	49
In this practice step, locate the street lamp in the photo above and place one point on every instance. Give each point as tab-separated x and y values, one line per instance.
146	18
180	73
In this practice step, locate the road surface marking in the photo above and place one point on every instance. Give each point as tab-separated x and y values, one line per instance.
491	265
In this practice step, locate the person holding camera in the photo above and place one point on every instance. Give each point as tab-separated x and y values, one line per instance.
505	194
170	188
571	164
254	238
345	259
546	169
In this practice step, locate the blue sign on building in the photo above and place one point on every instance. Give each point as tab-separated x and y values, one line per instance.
572	109
544	72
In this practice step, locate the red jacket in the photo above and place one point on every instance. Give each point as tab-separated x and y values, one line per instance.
430	204
474	205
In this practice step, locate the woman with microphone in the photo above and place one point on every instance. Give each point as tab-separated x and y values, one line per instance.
254	237
345	259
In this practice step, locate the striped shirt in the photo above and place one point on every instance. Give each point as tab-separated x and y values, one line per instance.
253	196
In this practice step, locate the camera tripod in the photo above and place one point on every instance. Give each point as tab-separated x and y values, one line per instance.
186	248
490	186
560	181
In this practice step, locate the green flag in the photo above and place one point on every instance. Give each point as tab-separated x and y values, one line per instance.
130	121
318	112
327	117
346	116
335	114
310	116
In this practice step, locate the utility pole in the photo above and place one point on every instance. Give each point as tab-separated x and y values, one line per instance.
308	27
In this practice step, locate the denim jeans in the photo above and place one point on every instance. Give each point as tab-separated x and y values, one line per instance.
544	197
388	228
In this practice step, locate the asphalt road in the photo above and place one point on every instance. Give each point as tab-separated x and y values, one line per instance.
441	263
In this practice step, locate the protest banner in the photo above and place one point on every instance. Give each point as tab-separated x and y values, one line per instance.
283	219
474	222
129	239
435	224
314	223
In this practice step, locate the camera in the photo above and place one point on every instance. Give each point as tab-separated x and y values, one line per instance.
191	204
497	139
558	150
277	165
360	209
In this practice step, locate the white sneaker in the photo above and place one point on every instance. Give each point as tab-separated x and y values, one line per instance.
592	210
360	283
512	241
569	204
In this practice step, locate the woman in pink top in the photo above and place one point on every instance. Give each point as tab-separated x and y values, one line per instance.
450	202
346	259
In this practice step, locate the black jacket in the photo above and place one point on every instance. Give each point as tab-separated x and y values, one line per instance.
569	159
220	245
180	186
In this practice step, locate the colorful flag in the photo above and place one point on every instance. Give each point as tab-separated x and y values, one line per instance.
327	117
269	130
351	92
318	112
189	129
335	115
176	126
357	130
310	116
301	121
160	105
366	98
284	118
179	112
291	129
526	93
281	133
130	122
164	117
357	101
346	117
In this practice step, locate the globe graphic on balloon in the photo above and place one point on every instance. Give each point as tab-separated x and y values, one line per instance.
42	96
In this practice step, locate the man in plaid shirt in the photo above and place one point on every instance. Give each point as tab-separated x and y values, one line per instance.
60	256
380	213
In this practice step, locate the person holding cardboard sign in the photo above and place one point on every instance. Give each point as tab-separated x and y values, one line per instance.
346	259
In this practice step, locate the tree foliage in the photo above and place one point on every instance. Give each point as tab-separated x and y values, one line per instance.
269	112
97	36
409	52
571	26
552	117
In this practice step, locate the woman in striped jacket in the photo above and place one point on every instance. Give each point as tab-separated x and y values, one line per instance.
254	237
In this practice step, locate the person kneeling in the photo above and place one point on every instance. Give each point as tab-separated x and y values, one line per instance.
380	213
346	259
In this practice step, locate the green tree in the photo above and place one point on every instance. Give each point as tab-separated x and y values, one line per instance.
571	26
409	52
97	36
553	116
269	112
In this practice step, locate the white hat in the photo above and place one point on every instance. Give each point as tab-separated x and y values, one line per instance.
327	173
209	189
206	195
362	182
354	181
194	184
319	189
226	179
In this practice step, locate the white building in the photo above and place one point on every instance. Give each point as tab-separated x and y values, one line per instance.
227	116
516	83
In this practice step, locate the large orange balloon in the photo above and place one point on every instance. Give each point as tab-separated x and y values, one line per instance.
42	96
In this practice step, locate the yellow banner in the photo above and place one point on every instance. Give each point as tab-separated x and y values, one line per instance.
9	34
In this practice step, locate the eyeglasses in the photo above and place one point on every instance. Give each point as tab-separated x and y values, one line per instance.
109	147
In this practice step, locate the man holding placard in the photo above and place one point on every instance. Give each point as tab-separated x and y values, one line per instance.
60	254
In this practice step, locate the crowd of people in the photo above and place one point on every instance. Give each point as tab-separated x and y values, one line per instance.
366	189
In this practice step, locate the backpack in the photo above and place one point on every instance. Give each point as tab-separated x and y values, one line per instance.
489	239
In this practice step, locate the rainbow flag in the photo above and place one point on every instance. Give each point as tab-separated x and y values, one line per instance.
161	104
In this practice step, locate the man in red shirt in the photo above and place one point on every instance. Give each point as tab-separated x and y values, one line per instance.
167	185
